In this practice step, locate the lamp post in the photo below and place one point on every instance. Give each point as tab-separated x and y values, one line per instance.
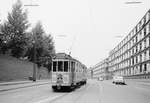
34	61
31	4
34	46
133	2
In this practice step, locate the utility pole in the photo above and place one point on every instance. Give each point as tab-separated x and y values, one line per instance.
34	46
35	61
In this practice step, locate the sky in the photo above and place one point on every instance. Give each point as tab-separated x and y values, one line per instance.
89	29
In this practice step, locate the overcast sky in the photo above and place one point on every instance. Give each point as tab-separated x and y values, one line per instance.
87	28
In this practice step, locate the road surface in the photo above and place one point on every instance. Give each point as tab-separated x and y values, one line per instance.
93	92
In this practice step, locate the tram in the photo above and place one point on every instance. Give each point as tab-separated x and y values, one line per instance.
67	72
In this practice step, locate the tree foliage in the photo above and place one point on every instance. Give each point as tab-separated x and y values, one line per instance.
15	28
42	46
15	38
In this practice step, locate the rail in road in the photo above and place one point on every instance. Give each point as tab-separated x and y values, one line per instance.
55	99
84	94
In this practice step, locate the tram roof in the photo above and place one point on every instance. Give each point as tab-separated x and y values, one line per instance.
62	56
65	56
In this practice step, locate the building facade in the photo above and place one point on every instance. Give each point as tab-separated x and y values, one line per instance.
132	55
101	69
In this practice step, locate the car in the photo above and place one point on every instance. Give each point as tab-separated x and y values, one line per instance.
100	79
118	80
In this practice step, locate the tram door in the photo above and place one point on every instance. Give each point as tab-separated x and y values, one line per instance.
72	71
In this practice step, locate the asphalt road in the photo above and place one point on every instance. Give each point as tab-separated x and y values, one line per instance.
93	92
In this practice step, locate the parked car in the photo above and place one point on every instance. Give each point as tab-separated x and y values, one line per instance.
118	80
100	79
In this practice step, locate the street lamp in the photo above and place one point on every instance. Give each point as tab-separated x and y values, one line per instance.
31	4
119	36
34	47
133	2
34	61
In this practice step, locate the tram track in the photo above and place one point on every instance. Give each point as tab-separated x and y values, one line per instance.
81	95
72	93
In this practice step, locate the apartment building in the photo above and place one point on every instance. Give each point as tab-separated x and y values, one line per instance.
132	55
101	69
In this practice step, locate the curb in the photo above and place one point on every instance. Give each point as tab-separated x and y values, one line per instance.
6	83
21	82
143	83
140	83
3	90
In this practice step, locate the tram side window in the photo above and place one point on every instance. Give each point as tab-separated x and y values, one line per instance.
60	66
65	66
54	66
72	66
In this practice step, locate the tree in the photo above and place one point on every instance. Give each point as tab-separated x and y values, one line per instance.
15	29
38	33
35	43
4	36
49	51
42	46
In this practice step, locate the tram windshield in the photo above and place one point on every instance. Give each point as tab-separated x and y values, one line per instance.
60	66
54	66
65	66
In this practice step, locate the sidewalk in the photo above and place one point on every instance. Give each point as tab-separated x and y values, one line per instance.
14	83
139	81
6	86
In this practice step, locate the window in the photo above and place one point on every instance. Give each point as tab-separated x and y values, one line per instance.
140	35
54	66
136	59
149	15
133	41
140	46
145	67
140	25
149	52
136	39
136	30
140	67
60	66
144	20
145	43
136	49
73	66
149	40
149	27
145	55
65	66
144	31
132	51
133	61
140	57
